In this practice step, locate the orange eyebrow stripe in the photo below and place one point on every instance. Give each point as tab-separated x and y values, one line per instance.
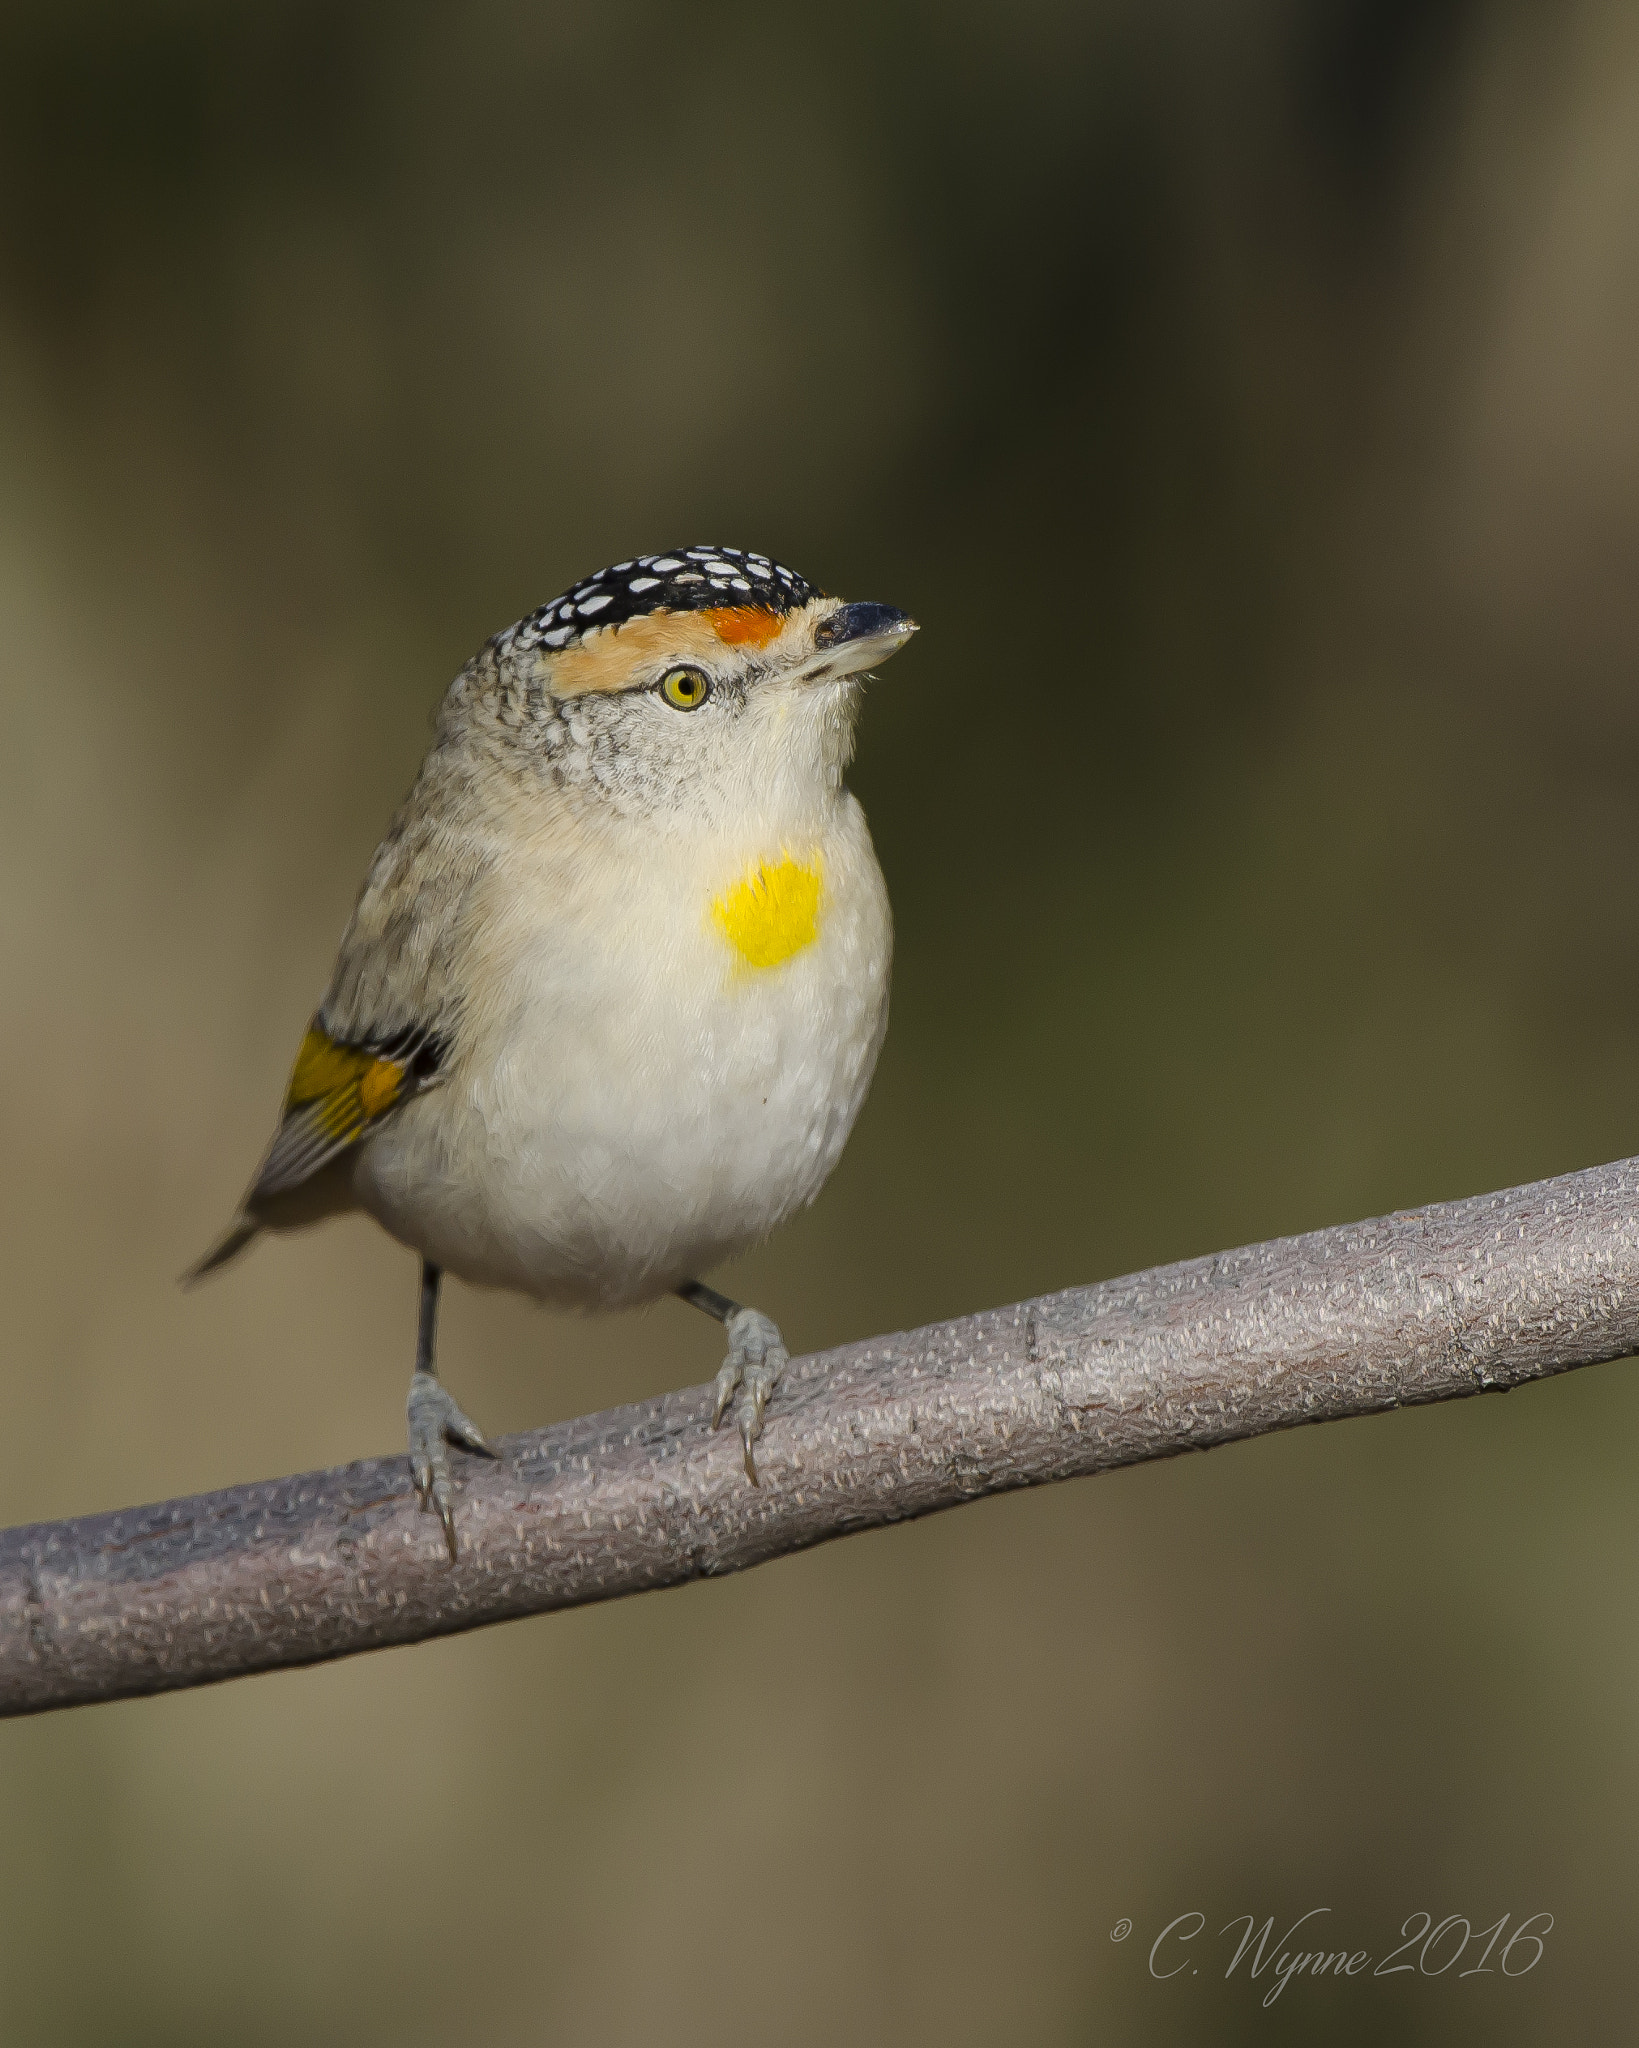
745	625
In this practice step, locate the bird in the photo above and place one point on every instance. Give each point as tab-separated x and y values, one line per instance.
613	990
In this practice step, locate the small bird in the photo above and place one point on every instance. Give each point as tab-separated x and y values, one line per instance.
615	985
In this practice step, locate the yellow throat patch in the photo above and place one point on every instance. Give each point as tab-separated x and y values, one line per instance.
773	911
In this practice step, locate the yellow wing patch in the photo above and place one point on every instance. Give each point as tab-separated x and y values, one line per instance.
347	1085
773	911
336	1093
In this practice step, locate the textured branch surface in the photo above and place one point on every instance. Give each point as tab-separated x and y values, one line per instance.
1425	1306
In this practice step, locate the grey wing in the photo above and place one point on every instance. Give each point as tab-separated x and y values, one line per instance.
384	1029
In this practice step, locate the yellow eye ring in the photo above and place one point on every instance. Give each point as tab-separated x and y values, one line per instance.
685	689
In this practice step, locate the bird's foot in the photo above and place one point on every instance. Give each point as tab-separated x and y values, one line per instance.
756	1358
436	1422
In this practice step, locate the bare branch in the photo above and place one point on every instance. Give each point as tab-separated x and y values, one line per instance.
1451	1300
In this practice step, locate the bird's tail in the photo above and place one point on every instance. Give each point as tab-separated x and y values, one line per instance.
232	1242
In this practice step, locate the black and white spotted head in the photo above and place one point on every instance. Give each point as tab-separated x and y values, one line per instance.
763	666
696	579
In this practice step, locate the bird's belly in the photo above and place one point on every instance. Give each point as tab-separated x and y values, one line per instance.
650	1102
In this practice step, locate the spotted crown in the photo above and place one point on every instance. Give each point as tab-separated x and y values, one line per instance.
687	580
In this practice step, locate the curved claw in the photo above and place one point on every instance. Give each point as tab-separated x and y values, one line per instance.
461	1430
728	1378
435	1421
756	1358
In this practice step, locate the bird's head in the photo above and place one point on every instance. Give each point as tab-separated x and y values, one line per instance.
708	682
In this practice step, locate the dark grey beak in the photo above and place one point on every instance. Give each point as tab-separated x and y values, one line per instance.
858	636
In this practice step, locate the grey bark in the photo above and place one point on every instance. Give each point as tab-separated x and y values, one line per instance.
1455	1299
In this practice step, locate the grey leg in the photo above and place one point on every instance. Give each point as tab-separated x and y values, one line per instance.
434	1418
756	1358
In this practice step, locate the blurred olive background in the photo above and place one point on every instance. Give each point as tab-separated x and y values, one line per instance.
1244	400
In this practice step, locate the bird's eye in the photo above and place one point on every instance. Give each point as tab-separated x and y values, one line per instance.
685	689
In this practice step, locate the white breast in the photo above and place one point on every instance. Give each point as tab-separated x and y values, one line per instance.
634	1100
